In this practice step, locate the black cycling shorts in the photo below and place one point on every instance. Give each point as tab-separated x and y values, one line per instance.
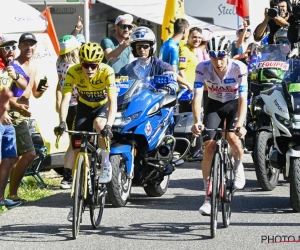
85	118
71	116
215	114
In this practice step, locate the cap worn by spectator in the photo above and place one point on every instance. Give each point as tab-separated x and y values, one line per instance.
5	40
206	34
68	43
27	37
126	17
80	38
241	27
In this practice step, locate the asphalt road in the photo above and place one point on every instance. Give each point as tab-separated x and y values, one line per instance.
169	222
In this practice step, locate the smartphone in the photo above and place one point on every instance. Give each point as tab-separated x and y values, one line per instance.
42	83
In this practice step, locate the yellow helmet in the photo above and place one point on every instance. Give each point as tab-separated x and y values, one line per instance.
91	52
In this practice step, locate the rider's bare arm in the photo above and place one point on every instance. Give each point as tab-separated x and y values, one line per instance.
242	111
113	106
196	106
64	107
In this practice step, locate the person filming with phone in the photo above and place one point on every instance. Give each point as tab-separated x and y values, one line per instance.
275	17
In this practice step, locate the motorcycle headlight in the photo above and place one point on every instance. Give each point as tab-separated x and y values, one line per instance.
282	120
154	109
122	121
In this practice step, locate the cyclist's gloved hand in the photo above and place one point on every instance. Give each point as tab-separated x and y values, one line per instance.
59	130
106	131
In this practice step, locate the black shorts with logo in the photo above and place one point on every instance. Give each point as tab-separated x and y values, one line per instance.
85	118
215	114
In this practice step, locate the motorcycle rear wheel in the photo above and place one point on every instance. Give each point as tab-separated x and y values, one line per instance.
157	189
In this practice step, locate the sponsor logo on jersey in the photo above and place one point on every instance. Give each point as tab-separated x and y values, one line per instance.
206	63
240	76
224	89
243	89
198	85
199	72
182	59
229	80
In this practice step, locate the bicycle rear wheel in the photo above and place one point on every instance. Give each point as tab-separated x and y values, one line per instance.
78	197
215	197
96	210
226	205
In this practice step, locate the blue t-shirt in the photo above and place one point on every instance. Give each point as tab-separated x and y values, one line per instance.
236	51
169	52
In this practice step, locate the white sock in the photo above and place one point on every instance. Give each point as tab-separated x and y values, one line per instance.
205	188
105	158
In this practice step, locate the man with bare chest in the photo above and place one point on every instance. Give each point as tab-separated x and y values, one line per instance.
20	114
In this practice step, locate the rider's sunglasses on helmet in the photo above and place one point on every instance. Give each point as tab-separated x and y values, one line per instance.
8	48
144	46
283	42
221	53
125	26
89	65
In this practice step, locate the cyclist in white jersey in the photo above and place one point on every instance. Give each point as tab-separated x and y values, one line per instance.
226	82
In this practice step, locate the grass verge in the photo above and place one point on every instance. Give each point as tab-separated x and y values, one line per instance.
32	192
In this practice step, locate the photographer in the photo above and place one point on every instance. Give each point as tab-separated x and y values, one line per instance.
275	18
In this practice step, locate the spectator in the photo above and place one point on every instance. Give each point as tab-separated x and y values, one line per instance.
118	45
272	25
78	27
187	66
5	95
20	114
201	52
239	46
169	51
9	72
68	56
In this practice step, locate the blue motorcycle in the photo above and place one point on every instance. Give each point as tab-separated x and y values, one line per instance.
143	143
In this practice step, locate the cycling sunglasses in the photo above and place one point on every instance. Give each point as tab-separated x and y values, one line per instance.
248	30
89	65
283	42
9	48
221	53
126	26
145	47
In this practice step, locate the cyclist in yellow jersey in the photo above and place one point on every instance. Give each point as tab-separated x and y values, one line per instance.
97	102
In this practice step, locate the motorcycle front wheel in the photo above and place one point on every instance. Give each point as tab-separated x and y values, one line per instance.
267	176
295	184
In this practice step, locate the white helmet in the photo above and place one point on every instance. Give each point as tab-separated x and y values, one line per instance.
142	34
219	43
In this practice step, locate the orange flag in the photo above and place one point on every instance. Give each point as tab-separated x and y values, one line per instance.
51	30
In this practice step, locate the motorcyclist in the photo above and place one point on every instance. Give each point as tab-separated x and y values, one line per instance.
143	46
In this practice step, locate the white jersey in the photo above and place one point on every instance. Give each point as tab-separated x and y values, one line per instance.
233	86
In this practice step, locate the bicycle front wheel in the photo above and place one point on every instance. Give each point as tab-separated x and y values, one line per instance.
78	197
96	210
215	197
228	192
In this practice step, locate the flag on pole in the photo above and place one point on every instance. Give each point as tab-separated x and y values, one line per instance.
174	9
51	29
241	7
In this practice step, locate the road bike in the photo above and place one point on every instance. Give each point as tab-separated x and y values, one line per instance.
220	186
86	190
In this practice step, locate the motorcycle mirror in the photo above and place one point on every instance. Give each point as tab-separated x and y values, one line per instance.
270	74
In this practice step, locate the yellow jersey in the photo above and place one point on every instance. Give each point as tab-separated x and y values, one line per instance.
92	92
188	61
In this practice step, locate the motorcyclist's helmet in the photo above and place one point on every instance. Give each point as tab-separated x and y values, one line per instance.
142	34
280	37
219	46
91	53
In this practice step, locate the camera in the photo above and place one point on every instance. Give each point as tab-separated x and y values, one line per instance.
274	10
